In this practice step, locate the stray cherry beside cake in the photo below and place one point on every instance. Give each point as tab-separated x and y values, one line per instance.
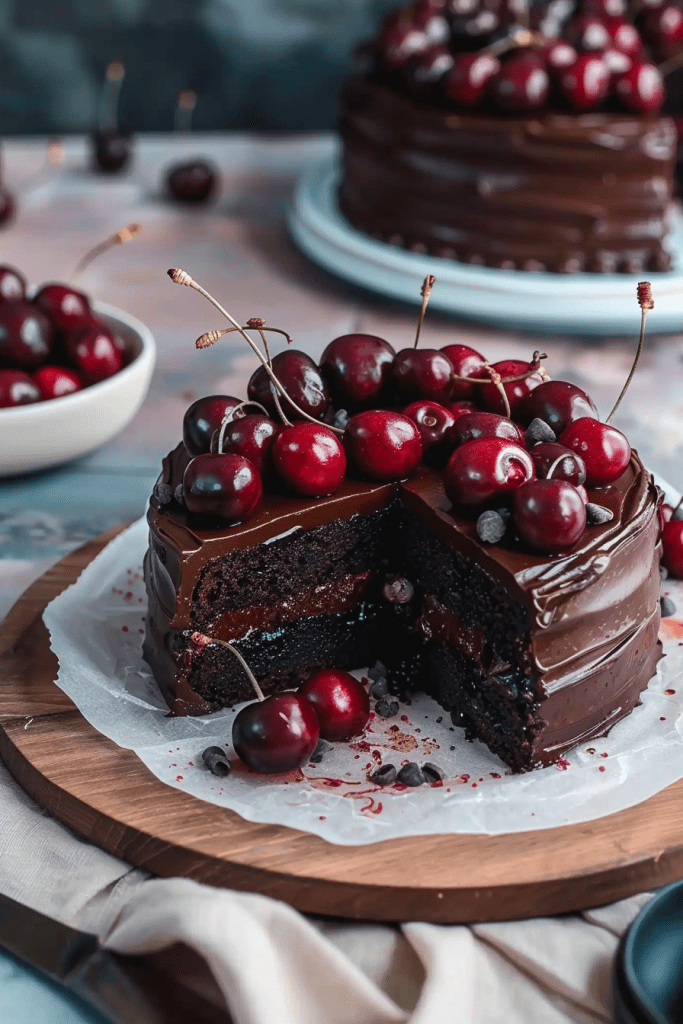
516	135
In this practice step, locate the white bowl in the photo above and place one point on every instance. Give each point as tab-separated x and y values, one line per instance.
45	434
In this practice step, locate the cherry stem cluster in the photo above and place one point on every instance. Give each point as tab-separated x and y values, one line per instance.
499	382
201	640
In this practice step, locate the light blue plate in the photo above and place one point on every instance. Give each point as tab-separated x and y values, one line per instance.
594	304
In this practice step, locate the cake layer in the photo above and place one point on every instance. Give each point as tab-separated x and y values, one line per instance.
556	192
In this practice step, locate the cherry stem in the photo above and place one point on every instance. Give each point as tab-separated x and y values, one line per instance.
520	37
184	110
534	367
53	157
646	304
553	466
201	640
231	417
179	276
497	382
425	292
429	421
109	101
273	391
120	238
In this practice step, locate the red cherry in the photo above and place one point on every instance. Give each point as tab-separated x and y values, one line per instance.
56	381
484	424
603	448
301	379
605	9
65	308
434	422
26	336
193	181
422	373
397	44
641	88
558	403
586	82
221	488
662	26
587	33
340	702
251	436
559	55
467	362
425	70
625	37
356	368
203	418
277	734
571	466
17	388
12	285
485	469
111	150
468	80
522	84
383	445
94	350
672	544
516	391
549	515
309	459
458	409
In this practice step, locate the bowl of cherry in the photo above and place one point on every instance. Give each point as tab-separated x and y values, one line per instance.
72	373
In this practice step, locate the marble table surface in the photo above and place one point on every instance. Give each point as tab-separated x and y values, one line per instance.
238	248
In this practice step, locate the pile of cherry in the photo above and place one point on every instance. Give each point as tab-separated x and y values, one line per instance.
53	344
577	57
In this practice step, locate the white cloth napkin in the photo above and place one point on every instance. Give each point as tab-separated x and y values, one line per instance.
274	965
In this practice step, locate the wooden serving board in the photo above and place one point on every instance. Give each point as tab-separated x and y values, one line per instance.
108	796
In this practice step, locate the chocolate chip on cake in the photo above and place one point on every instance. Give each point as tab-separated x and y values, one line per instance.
322	748
537	432
384	776
163	493
411	774
216	761
178	494
387	707
596	515
491	527
432	772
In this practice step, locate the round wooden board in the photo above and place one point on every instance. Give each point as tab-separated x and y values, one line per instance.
107	795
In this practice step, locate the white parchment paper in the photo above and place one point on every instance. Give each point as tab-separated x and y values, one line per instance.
96	629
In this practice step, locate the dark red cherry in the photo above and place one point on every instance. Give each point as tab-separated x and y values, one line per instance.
625	37
94	350
484	424
641	88
422	373
65	308
301	379
356	368
549	515
383	445
203	418
662	26
605	10
522	84
8	206
309	459
193	181
467	362
460	408
56	381
672	544
559	55
221	488
12	285
486	469
424	71
277	734
434	422
557	403
26	336
604	450
516	391
17	388
251	436
587	33
111	151
468	81
564	463
340	702
586	82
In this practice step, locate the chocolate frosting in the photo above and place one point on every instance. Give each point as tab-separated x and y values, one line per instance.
558	192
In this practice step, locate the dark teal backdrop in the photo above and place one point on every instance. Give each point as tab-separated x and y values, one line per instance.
255	64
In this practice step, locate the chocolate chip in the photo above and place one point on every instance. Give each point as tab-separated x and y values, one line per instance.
398	590
377	671
341	419
538	431
216	761
432	772
387	707
491	527
596	515
380	688
411	774
322	748
178	494
163	493
384	776
667	606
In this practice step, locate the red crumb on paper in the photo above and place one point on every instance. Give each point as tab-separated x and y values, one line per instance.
474	785
323	782
601	767
400	741
179	778
669	693
404	718
465	778
429	746
662	719
371	806
124	629
604	755
321	817
496	775
562	764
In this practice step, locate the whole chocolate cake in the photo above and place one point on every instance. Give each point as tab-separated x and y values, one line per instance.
514	136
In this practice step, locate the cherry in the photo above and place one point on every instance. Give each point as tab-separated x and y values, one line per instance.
383	445
559	55
251	436
549	515
587	33
516	391
571	467
434	422
111	150
586	82
193	181
8	206
26	336
662	26
277	734
469	79
301	379
522	84
56	381
356	368
340	702
424	71
605	9
460	408
625	37
485	469
65	308
558	404
603	448
422	373
484	424
203	418
309	458
17	388
94	350
225	488
467	362
672	544
397	44
12	285
641	88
